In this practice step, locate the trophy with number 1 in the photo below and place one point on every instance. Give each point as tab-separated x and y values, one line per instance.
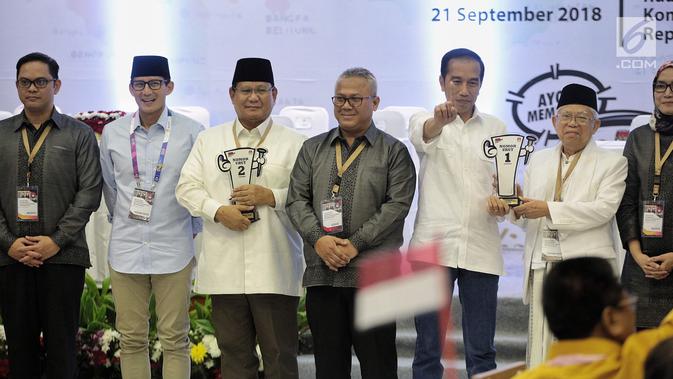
507	149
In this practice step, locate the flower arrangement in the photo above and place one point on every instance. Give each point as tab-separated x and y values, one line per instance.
98	354
98	120
203	350
98	343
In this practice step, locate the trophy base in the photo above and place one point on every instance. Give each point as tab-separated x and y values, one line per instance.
512	201
251	215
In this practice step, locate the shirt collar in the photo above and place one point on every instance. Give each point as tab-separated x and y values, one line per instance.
476	116
56	119
370	135
162	121
261	128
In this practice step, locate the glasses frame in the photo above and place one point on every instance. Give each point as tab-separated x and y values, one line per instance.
148	83
668	85
247	92
354	101
34	82
573	117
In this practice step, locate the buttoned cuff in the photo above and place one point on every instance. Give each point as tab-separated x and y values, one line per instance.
280	197
314	235
7	243
59	238
358	243
210	207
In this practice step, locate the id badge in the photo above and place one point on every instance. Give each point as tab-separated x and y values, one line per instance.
141	205
332	215
653	219
551	248
27	200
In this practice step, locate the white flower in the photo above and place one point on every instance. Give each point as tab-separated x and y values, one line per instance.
108	337
157	349
2	333
209	363
211	345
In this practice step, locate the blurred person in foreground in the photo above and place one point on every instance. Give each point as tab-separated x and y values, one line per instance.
593	318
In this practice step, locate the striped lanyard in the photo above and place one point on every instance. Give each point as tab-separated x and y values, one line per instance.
162	155
33	153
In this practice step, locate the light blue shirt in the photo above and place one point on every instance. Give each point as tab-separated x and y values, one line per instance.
165	243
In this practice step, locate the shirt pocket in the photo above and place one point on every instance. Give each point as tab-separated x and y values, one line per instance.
446	148
375	180
275	176
60	165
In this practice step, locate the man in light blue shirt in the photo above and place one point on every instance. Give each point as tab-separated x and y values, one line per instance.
151	244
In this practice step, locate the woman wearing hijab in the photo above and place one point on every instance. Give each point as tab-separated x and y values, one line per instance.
645	216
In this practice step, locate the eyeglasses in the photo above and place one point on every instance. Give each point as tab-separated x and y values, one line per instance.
39	82
660	87
259	91
354	101
580	118
139	85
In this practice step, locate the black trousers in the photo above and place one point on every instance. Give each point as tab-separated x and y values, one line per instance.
330	316
41	300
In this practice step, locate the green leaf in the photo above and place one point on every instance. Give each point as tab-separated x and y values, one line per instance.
105	286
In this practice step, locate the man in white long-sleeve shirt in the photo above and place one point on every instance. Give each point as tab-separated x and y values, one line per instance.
251	260
457	210
571	194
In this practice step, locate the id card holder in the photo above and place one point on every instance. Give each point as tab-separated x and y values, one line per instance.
27	203
141	205
653	219
332	214
551	248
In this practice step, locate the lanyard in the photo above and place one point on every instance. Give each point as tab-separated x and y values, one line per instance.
560	182
162	155
266	133
659	163
33	153
342	167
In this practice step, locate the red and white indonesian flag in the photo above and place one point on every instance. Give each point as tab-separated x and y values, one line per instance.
397	286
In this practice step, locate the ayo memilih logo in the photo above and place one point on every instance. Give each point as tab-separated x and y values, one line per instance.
534	104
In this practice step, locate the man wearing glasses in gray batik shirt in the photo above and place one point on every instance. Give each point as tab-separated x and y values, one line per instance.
50	185
345	209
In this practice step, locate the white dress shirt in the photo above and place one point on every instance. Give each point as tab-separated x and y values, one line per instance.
265	258
455	182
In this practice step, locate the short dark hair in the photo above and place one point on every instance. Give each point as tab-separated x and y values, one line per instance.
659	362
461	53
574	294
40	57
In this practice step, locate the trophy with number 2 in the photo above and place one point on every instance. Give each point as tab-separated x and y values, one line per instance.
240	164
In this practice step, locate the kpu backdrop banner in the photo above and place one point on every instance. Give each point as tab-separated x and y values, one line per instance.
531	50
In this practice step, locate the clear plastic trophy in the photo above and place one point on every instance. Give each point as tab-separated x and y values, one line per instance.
507	149
240	163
